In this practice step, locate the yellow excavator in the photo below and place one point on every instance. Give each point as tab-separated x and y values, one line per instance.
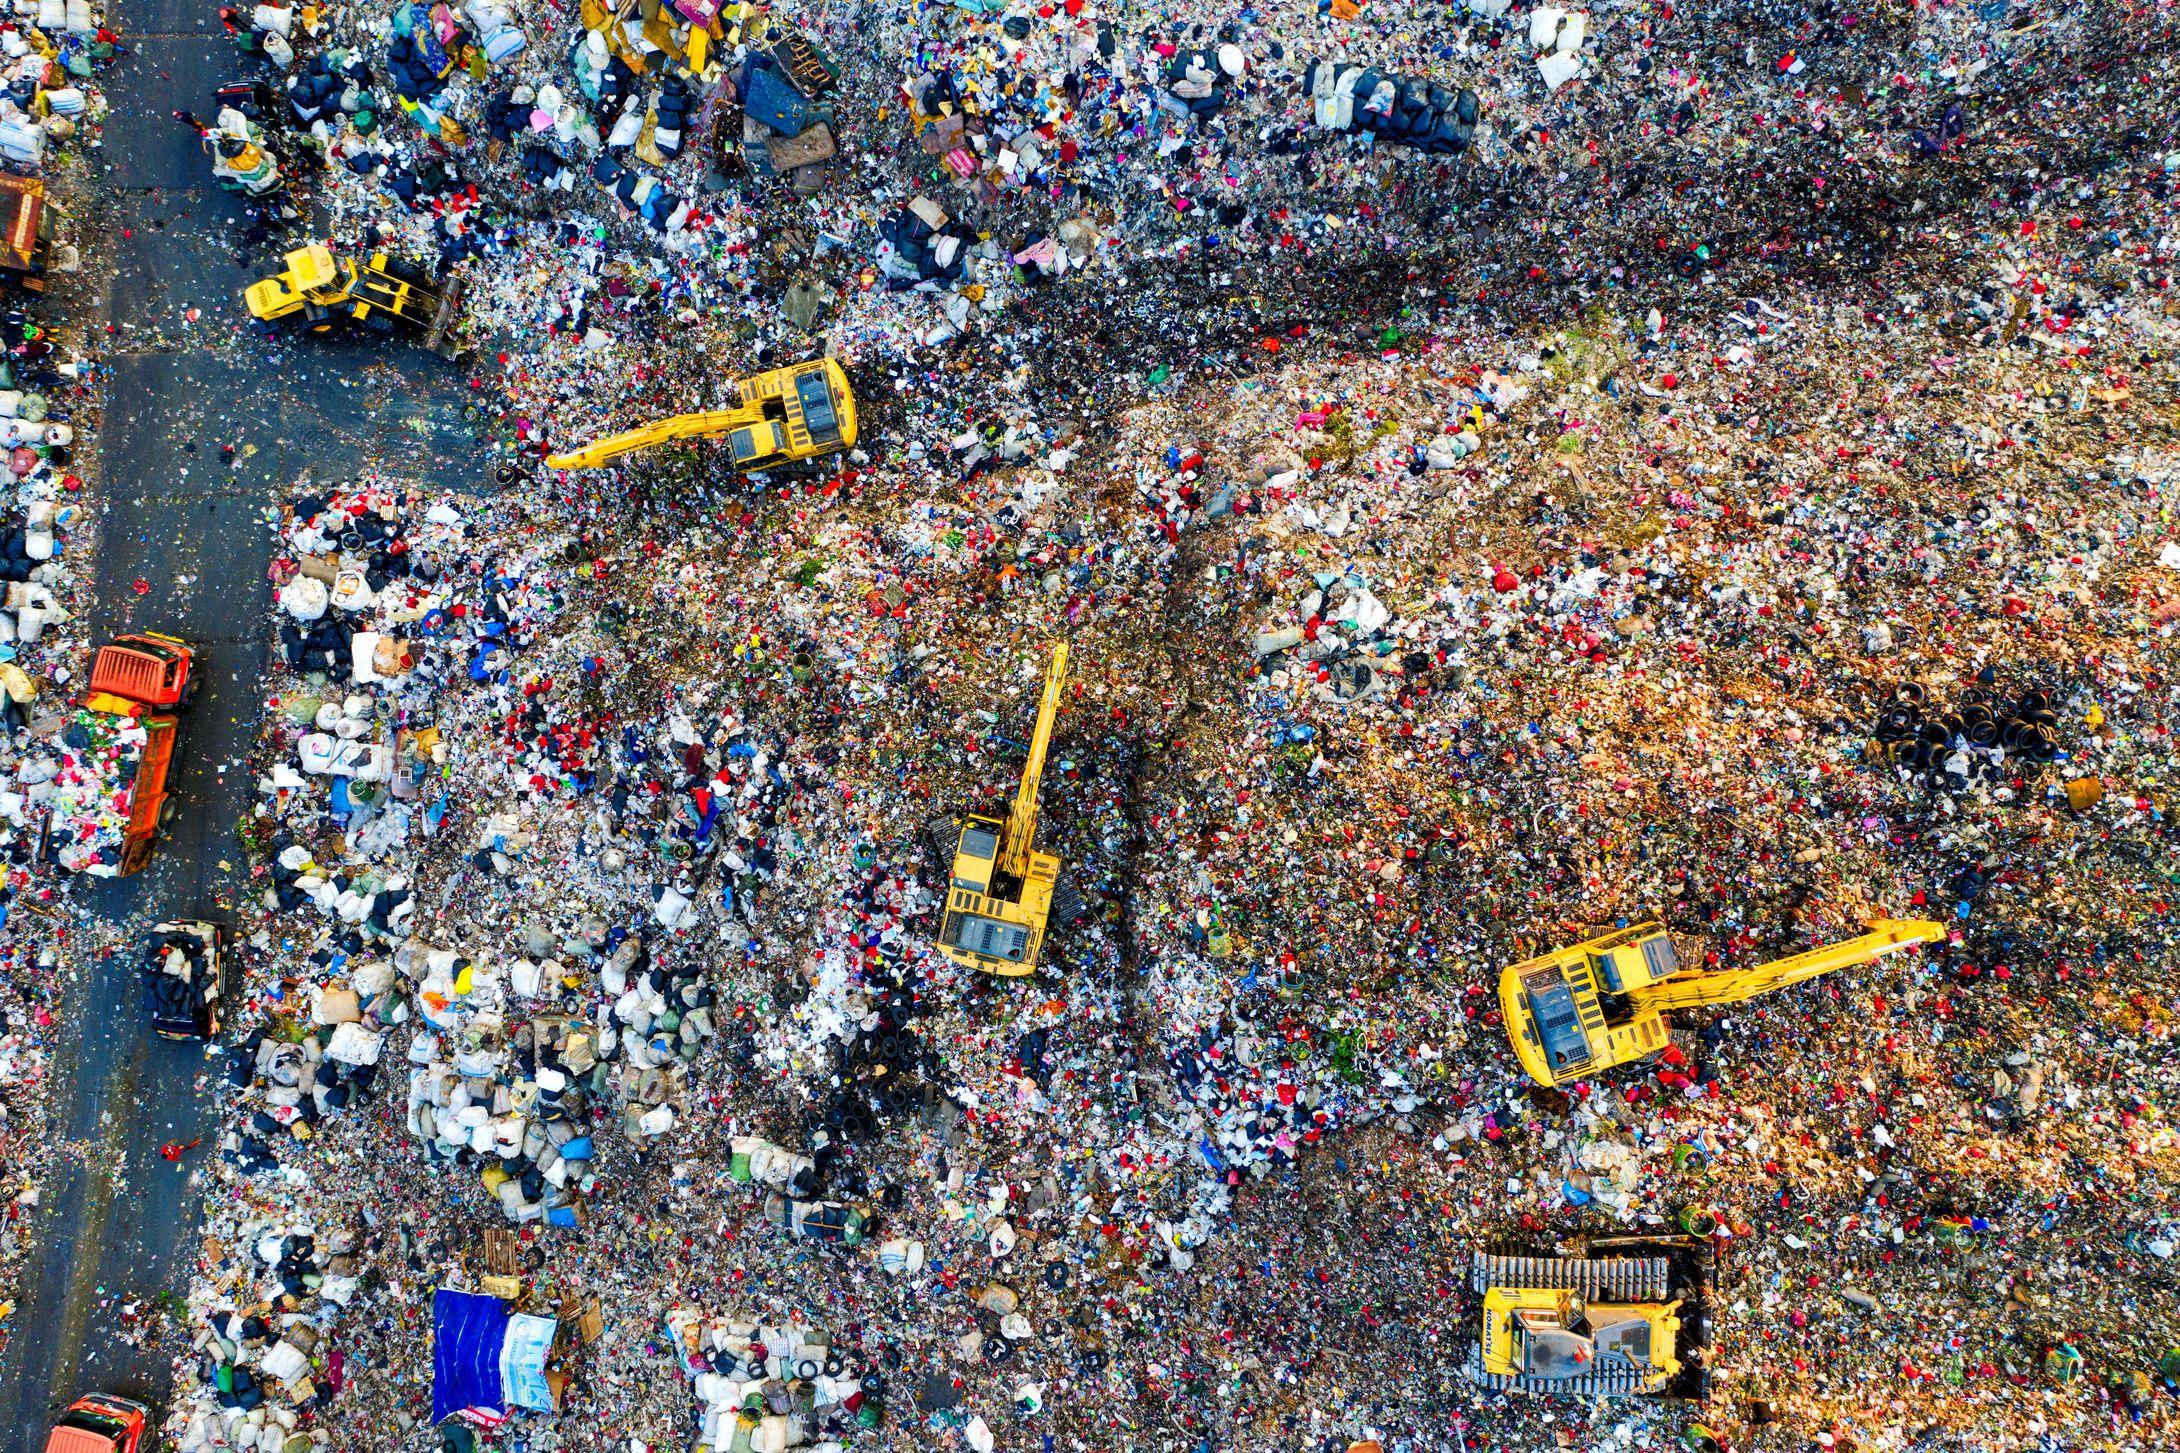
318	290
781	416
1001	895
1613	1320
1577	1011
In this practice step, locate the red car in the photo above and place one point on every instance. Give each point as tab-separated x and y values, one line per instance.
100	1423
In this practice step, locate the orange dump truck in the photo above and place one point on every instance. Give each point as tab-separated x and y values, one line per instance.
118	744
99	1423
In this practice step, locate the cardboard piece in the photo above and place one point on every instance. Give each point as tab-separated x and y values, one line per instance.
502	1251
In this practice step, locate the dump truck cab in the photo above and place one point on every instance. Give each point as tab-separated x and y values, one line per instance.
99	1423
150	669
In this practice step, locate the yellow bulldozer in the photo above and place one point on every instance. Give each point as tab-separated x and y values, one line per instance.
782	416
380	292
1581	1010
1621	1316
1002	889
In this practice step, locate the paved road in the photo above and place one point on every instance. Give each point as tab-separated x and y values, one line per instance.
120	1226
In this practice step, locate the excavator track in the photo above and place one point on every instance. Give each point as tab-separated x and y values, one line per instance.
1604	1279
1067	902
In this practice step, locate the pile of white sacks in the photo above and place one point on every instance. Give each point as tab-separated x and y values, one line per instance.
763	1388
260	1340
505	1071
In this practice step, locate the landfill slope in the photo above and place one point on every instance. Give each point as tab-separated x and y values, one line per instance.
1505	478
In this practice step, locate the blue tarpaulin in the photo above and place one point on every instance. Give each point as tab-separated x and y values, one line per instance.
468	1331
485	1361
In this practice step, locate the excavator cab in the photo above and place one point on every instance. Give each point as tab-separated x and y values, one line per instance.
758	443
989	924
1578	1010
976	855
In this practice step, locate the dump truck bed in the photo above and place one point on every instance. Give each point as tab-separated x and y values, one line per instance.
105	811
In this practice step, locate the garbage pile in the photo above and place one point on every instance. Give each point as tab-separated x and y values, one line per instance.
771	1386
1972	743
1412	112
98	755
259	1341
183	976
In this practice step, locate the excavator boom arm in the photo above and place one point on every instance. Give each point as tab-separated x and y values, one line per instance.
1022	821
1885	936
710	424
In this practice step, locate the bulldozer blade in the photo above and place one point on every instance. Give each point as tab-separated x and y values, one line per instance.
442	322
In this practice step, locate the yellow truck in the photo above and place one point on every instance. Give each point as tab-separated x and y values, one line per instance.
380	292
782	416
1581	1010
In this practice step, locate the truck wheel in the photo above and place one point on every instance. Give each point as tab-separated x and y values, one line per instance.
188	697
